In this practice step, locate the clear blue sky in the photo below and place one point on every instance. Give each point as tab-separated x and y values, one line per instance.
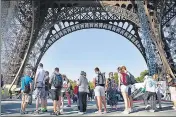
90	48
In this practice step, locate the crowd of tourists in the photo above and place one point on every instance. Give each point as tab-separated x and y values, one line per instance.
59	86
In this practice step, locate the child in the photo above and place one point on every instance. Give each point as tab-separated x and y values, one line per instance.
75	94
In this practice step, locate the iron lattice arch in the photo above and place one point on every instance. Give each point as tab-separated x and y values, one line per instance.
84	19
56	34
44	22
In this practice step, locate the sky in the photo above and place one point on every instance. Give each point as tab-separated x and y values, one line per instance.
86	49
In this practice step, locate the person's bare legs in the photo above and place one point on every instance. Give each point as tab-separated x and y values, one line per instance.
42	102
55	106
104	103
59	103
99	101
23	103
37	103
96	102
45	104
62	104
130	102
124	94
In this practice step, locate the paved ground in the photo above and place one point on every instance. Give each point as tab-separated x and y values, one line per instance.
11	108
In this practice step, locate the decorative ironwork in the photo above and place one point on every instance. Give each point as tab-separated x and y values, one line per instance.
116	27
147	36
25	46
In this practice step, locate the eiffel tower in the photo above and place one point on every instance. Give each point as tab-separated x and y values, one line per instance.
31	27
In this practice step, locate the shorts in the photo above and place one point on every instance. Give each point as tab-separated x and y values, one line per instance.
129	91
46	94
124	88
63	94
25	97
40	92
99	91
56	93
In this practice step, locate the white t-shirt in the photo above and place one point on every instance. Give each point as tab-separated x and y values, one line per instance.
41	75
64	86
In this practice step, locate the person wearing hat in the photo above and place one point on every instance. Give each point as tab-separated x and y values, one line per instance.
82	92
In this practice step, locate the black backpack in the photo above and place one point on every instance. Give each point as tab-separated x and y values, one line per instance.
131	78
57	81
101	79
47	85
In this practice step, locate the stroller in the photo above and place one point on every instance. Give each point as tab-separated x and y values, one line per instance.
138	94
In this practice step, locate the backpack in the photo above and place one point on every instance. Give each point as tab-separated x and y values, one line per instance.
101	79
47	85
131	78
57	81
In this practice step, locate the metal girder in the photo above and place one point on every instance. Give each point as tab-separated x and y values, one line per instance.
169	13
72	13
148	38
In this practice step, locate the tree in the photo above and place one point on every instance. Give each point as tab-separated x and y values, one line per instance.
91	85
142	75
116	77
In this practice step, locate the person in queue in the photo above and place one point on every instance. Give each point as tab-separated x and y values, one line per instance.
26	88
112	91
130	99
150	85
123	85
83	88
39	84
56	82
99	83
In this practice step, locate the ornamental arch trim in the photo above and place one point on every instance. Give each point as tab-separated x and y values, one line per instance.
75	13
133	38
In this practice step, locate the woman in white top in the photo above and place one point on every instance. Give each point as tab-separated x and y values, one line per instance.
150	85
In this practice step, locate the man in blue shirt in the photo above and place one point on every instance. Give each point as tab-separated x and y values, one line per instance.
26	88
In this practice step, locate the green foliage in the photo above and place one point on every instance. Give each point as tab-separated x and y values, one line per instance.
116	77
91	85
73	83
142	75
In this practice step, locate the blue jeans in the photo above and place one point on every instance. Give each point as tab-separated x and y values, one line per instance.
83	101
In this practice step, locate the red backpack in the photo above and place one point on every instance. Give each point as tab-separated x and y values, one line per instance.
124	79
75	91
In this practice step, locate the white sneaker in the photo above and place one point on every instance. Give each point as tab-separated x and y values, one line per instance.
61	110
80	113
152	111
132	110
147	107
97	112
125	112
